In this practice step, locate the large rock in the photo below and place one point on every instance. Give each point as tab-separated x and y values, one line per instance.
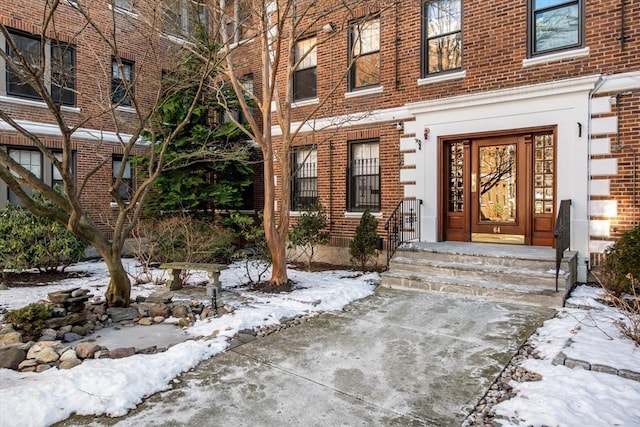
118	314
71	336
39	347
181	311
11	358
86	350
160	297
11	338
68	364
119	353
71	319
69	354
59	297
47	355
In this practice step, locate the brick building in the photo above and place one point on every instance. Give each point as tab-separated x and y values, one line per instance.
103	63
490	113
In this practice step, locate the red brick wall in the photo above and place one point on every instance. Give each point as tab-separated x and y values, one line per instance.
494	47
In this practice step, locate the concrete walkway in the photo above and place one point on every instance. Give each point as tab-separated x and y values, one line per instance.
394	359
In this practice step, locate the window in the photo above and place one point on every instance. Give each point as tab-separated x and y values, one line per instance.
121	82
442	39
554	25
126	187
364	177
56	177
237	26
364	53
124	5
304	188
63	73
29	46
59	59
185	18
304	76
29	159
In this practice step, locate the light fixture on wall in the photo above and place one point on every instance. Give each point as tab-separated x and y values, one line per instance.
419	142
398	125
329	27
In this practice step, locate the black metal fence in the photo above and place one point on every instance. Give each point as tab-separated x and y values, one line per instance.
403	225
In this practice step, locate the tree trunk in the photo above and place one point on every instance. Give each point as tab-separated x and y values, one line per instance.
119	289
279	259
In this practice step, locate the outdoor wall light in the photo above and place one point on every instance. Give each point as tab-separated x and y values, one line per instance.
419	142
398	125
329	27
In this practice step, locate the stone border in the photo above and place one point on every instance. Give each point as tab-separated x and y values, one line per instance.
562	359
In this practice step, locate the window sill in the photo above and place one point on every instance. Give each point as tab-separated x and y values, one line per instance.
359	214
553	57
124	109
177	39
363	92
458	75
123	11
305	102
32	103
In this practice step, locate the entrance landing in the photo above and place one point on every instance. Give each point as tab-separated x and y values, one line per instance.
520	273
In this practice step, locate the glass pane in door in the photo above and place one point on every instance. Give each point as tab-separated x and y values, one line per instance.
497	183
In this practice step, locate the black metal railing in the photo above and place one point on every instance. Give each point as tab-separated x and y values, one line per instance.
562	234
403	225
363	182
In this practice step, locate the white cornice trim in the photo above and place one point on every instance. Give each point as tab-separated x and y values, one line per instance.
34	103
620	82
580	84
53	130
347	120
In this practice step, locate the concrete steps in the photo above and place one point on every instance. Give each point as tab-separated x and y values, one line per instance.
508	272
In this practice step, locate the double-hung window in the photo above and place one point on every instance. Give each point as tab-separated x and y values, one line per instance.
126	5
555	25
59	61
304	188
63	73
364	54
442	38
30	160
126	185
121	82
304	76
364	176
185	18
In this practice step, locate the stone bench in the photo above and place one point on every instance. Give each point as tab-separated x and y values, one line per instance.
175	269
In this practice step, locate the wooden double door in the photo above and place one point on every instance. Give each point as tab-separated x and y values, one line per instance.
499	189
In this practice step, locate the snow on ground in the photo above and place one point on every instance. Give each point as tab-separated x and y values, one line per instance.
564	396
114	386
578	397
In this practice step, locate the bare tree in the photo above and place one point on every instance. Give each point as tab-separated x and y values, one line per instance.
104	34
273	30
